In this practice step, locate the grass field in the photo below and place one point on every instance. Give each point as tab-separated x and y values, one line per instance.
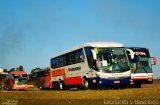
48	97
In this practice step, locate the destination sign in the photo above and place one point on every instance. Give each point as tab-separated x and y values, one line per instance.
139	53
74	69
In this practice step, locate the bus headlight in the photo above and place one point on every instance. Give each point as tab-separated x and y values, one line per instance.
94	80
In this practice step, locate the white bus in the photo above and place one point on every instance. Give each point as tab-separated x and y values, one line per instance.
91	64
141	66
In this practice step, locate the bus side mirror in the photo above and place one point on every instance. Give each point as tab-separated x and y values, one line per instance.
94	54
153	60
131	53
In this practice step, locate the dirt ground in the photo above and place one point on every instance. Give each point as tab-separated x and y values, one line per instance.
148	94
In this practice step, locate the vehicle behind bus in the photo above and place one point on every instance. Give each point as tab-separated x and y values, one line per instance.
141	66
91	65
2	80
43	79
16	80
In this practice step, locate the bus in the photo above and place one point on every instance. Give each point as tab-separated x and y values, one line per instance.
43	79
91	64
2	80
141	66
16	80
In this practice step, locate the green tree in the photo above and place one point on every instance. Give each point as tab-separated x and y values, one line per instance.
13	69
20	68
35	70
5	70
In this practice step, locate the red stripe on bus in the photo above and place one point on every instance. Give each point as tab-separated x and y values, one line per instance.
141	78
73	80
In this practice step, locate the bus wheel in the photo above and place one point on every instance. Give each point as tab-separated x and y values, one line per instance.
85	83
61	85
50	86
40	88
137	85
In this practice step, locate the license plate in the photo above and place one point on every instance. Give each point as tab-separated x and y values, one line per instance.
116	82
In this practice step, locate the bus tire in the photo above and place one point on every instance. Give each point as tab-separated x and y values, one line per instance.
137	85
85	83
61	85
40	88
50	86
8	89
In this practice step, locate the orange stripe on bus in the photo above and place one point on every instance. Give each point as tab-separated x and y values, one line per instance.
58	72
18	72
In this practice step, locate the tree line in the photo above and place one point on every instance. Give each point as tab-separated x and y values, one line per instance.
20	68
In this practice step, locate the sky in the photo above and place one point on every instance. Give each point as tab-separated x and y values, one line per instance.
33	31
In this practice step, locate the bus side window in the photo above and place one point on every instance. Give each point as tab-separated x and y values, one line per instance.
90	60
61	61
53	63
79	56
65	60
70	61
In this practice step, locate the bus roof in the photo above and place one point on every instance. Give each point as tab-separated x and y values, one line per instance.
137	48
18	72
102	44
93	44
42	70
4	73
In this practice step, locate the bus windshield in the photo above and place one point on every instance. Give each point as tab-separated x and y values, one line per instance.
141	62
110	60
142	66
20	80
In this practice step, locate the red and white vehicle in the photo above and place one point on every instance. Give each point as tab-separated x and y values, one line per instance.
91	64
141	66
2	79
43	79
16	80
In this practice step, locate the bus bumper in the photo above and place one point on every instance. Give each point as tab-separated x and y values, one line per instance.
20	87
141	81
108	82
